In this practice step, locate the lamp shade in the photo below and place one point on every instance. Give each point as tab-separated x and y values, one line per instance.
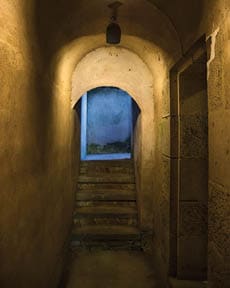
113	33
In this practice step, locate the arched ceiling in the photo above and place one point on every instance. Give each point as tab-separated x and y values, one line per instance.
61	21
185	15
114	66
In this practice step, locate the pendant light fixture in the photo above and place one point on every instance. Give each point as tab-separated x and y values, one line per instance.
113	31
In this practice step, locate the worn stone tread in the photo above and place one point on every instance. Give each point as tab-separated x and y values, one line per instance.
107	179
102	211
108	195
105	213
112	203
111	232
107	221
106	163
106	187
106	170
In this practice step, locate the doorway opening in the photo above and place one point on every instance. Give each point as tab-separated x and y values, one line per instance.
108	116
189	166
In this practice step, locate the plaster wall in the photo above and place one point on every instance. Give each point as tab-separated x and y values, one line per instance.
219	159
109	116
35	153
215	24
161	180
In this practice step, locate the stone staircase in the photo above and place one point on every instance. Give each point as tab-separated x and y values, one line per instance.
106	210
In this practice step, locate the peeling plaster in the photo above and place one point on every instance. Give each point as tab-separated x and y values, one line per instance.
212	37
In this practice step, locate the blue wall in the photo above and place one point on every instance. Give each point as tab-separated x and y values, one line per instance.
109	116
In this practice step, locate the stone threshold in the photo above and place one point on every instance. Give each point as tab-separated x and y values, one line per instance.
114	156
175	283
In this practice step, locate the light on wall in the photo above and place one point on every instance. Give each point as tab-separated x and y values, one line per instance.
113	31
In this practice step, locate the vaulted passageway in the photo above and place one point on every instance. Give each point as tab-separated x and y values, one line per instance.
173	59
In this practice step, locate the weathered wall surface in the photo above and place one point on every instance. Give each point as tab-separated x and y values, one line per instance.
35	156
213	20
161	178
219	155
216	24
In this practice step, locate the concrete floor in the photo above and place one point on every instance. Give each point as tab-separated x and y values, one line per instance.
111	269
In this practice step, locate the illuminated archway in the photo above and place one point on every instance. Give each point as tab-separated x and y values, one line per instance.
140	68
108	117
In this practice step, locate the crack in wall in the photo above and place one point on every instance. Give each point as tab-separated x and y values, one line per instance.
212	39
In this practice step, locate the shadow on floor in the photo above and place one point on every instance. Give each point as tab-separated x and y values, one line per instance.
111	269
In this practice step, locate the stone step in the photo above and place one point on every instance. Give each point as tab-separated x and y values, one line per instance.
84	187
176	283
107	179
117	232
98	170
106	211
108	244
106	195
106	203
106	237
102	221
107	163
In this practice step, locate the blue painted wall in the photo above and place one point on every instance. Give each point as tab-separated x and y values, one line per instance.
109	116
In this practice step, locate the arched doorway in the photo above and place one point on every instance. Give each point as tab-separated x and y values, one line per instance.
120	67
108	117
